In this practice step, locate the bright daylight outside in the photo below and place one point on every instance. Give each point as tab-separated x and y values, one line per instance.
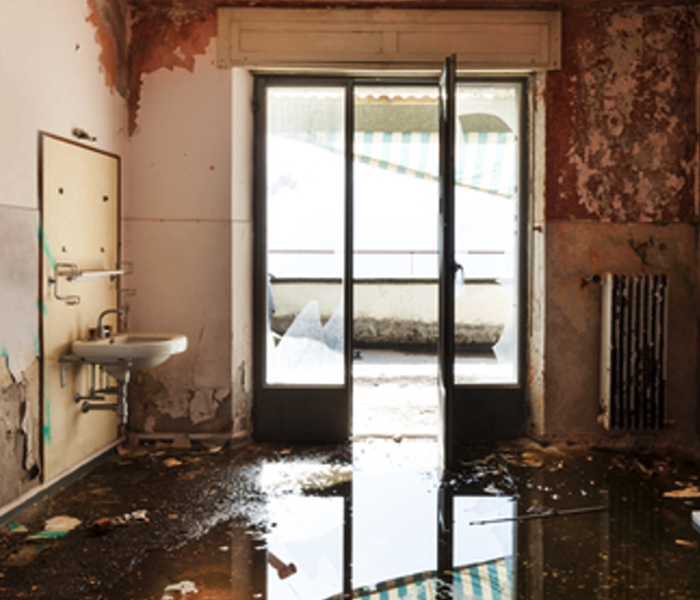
395	206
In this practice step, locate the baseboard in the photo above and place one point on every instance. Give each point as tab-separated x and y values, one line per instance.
49	488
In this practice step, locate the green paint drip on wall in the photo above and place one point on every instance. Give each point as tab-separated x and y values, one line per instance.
47	418
45	247
6	355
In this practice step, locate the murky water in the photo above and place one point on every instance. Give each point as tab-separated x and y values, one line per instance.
381	525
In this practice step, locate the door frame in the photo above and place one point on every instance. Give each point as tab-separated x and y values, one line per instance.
496	411
297	413
324	414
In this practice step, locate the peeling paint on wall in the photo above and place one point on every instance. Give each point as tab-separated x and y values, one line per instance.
109	19
621	134
154	407
19	431
165	38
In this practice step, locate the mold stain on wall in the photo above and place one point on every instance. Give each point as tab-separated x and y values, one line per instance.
165	38
621	135
109	18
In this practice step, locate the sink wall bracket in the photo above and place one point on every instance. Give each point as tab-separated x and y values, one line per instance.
95	399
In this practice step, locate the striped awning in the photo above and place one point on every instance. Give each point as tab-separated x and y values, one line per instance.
485	161
492	580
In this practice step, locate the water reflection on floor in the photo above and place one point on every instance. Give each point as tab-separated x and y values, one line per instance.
381	525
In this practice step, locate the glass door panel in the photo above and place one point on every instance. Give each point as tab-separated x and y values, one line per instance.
487	216
305	235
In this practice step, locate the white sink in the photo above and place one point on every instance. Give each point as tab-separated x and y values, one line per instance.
124	352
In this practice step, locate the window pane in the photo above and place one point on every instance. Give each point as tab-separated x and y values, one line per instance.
305	191
486	233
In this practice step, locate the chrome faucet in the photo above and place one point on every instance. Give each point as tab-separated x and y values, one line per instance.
101	329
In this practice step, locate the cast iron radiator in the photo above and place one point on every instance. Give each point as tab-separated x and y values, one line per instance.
633	357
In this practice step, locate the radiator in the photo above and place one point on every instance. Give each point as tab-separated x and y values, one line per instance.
633	356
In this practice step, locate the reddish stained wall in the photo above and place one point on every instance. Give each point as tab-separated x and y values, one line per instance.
108	17
621	116
165	39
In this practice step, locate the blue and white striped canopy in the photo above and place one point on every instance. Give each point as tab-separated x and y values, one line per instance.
492	580
485	161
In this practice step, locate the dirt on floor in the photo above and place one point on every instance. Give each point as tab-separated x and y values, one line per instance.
239	523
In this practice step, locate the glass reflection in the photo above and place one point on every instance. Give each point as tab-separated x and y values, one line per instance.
483	552
305	215
372	532
305	548
486	233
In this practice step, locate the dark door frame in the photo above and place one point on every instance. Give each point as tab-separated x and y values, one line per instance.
323	413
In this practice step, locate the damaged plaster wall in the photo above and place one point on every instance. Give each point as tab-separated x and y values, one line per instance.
56	86
178	220
109	18
620	196
19	349
620	150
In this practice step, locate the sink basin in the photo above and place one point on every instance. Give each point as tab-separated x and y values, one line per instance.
124	352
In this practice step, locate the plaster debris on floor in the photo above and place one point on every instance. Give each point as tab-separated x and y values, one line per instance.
369	519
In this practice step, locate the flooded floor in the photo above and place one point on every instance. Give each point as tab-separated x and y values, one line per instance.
371	519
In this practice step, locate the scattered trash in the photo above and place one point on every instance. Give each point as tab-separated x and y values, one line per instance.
695	516
56	527
183	588
62	523
645	470
172	462
530	459
104	524
692	491
46	535
540	514
131	451
686	544
16	528
397	438
283	570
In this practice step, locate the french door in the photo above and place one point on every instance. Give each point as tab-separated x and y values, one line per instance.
310	151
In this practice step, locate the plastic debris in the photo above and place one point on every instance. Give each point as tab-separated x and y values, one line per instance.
56	527
183	588
172	462
543	512
47	535
696	519
62	523
283	570
692	491
104	524
16	528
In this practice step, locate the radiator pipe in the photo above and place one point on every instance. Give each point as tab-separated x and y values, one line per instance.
592	279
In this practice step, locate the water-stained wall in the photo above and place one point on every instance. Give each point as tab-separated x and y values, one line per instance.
621	195
618	152
178	221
